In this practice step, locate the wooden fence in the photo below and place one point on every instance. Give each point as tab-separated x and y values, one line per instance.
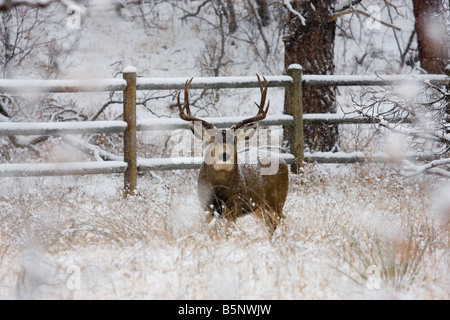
295	81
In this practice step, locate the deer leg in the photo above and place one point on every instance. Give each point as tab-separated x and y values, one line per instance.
231	216
266	218
276	216
209	217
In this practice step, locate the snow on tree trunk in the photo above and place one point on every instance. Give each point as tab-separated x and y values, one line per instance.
312	46
432	35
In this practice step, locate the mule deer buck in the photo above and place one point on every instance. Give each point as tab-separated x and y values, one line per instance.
230	189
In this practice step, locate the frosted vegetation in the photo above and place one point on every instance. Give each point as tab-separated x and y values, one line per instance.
75	237
157	245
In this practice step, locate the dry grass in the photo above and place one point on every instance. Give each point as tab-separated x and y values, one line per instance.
157	245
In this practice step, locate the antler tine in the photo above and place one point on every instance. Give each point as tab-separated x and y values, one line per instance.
261	112
185	107
263	90
185	110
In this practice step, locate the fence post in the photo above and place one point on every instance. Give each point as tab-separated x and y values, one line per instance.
130	138
297	139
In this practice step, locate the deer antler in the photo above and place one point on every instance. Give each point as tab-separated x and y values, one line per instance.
262	113
185	110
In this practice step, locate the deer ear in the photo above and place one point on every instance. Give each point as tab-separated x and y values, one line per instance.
201	132
247	131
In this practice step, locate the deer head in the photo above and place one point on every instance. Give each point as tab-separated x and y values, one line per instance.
221	150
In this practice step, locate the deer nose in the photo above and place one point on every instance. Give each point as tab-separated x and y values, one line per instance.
225	157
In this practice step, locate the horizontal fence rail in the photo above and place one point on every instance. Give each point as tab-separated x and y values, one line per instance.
103	127
107	85
62	169
294	81
60	128
62	86
163	164
373	80
360	157
106	167
99	127
210	83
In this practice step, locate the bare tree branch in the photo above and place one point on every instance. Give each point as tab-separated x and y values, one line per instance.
199	8
427	128
366	14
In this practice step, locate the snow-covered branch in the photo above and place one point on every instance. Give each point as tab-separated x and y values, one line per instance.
365	14
425	108
411	169
98	153
288	5
347	6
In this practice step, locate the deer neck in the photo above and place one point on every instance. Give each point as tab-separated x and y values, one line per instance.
222	177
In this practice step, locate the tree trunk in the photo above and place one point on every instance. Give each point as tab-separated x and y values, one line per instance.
432	35
312	46
5	42
263	12
232	22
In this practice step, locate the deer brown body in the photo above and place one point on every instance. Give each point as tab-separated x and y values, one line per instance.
229	189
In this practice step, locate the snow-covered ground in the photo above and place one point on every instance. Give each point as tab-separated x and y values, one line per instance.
77	238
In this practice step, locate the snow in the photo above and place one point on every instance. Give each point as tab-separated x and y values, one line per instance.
105	167
288	5
219	122
295	67
157	246
365	80
60	169
411	170
3	118
65	128
61	128
164	164
183	163
130	69
225	82
375	157
336	118
335	155
83	85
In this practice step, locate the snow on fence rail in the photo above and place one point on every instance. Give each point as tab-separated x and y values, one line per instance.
61	169
372	80
294	81
101	127
158	164
97	127
107	85
62	86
